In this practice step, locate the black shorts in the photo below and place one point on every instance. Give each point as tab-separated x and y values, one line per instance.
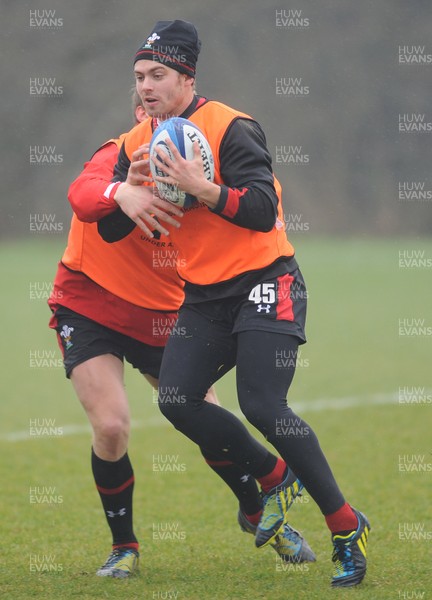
81	338
276	305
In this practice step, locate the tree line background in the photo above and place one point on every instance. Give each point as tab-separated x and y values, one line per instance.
335	140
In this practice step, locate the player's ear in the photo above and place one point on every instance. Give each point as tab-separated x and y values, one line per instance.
189	81
140	114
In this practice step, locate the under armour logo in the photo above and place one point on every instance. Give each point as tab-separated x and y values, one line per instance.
264	307
244	478
120	513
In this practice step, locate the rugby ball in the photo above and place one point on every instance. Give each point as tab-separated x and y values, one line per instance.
183	133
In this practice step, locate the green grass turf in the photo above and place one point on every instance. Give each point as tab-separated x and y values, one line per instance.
357	294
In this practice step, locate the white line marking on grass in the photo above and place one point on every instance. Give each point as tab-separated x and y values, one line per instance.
319	405
342	403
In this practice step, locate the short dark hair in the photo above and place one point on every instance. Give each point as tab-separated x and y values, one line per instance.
135	100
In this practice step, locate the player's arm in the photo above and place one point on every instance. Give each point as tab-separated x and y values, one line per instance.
92	193
248	197
117	224
137	205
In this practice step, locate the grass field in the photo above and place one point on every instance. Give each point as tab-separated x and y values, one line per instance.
355	387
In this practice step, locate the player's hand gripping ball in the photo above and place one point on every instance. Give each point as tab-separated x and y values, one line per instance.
183	134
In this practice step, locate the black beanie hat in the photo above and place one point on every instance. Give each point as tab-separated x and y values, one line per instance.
174	44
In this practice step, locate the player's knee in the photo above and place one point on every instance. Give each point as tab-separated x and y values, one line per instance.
175	404
252	414
255	409
112	430
169	409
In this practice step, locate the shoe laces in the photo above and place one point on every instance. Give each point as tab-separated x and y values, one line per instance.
289	538
342	554
117	553
290	533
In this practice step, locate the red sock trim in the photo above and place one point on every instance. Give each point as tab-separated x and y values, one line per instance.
133	545
343	519
117	490
275	477
218	463
254	519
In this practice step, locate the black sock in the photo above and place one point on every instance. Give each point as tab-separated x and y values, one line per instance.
242	484
115	483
